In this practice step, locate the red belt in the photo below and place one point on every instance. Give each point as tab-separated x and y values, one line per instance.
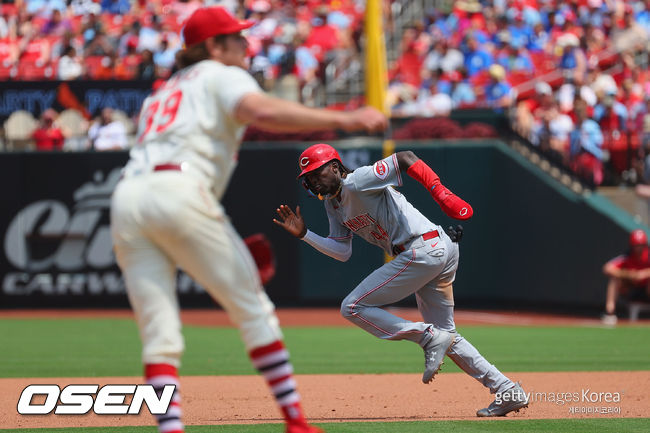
397	249
164	167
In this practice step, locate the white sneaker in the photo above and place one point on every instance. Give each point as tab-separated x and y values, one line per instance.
609	319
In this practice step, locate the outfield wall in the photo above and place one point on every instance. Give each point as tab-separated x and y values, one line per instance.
531	244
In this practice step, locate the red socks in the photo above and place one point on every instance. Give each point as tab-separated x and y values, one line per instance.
160	375
271	360
450	203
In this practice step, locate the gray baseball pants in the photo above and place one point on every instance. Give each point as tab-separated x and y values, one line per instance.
428	269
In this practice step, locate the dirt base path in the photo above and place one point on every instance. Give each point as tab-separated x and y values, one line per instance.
211	400
332	317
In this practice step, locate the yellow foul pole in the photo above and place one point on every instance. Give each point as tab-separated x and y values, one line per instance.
376	76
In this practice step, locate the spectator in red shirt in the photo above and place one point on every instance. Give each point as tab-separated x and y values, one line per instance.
323	37
126	68
406	69
106	69
629	275
48	136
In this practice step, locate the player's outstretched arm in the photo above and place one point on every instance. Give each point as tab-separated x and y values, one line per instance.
275	114
290	221
449	202
293	223
405	159
612	270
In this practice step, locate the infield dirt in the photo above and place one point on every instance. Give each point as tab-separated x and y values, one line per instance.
329	398
209	400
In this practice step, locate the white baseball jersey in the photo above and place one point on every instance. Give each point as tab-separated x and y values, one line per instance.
164	220
190	120
371	209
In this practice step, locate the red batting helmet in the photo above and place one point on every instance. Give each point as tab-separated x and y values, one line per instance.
638	237
316	156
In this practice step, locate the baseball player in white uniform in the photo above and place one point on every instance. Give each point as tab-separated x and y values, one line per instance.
363	203
166	210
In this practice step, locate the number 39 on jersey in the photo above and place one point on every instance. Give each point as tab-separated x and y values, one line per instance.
158	115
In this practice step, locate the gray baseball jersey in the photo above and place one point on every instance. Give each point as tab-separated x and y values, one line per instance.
382	216
371	209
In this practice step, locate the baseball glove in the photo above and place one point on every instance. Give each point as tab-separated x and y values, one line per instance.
455	233
262	252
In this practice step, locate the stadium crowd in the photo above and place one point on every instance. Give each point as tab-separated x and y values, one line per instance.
123	39
126	40
573	75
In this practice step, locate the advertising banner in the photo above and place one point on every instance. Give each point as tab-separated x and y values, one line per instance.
55	221
89	97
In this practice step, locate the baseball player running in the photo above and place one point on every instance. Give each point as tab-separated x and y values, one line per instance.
362	202
166	211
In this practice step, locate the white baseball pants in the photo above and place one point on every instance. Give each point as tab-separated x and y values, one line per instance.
169	219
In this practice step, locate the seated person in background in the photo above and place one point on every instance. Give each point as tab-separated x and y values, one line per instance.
586	146
48	136
531	109
70	66
629	275
498	93
462	91
515	58
106	133
551	132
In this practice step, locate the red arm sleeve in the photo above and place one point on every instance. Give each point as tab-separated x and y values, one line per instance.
450	203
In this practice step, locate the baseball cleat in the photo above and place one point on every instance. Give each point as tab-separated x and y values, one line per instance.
434	352
513	399
609	319
302	428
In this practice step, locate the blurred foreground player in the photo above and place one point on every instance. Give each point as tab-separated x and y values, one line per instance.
629	275
166	211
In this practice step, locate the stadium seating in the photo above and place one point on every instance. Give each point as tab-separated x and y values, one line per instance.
521	36
18	130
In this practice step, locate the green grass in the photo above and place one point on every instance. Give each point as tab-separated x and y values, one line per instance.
630	425
110	347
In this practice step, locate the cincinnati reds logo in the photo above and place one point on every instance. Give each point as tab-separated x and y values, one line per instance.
381	169
304	161
463	211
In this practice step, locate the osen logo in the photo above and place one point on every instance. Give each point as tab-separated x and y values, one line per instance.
107	400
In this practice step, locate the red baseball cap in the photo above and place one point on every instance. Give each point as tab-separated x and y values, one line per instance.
638	237
205	23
